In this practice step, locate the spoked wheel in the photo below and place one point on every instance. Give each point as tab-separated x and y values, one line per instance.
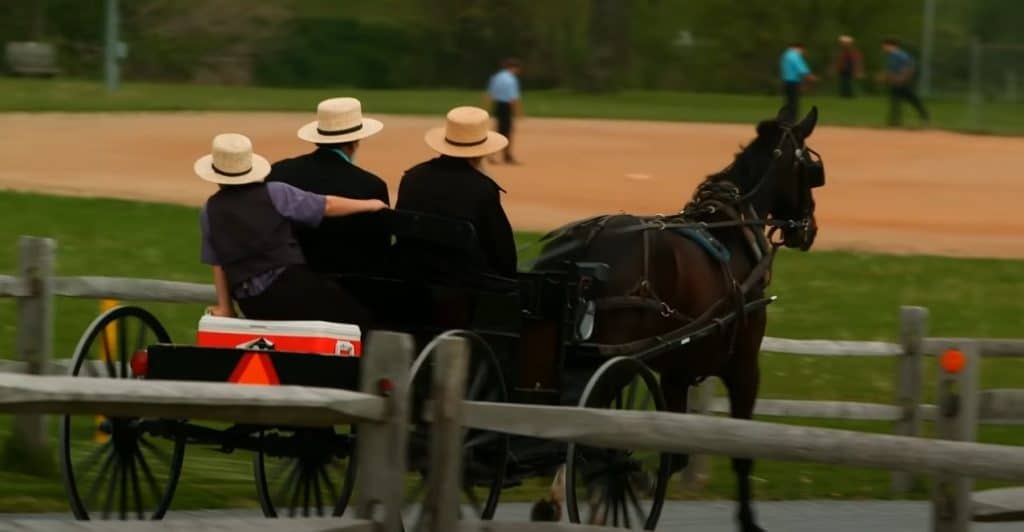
617	488
484	453
306	473
124	468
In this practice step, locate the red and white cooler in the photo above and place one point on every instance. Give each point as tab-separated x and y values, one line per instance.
317	337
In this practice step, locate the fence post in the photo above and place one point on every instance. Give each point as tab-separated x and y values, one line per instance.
698	471
913	329
957	419
445	483
381	447
29	449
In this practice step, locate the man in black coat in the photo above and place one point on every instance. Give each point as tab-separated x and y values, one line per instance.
454	186
356	244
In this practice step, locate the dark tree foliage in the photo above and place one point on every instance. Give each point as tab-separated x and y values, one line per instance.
593	45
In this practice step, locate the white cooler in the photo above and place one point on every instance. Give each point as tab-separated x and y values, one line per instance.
318	337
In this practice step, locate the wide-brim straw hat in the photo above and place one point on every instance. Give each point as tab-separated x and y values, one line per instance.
339	120
232	162
466	133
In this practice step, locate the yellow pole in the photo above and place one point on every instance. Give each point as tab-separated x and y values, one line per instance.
109	352
110	346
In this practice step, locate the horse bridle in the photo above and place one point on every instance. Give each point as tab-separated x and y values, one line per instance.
811	172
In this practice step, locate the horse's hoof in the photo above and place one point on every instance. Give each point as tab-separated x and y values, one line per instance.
545	511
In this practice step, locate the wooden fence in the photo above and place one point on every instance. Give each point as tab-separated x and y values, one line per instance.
36	286
383	418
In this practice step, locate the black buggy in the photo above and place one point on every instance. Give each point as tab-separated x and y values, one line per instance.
529	344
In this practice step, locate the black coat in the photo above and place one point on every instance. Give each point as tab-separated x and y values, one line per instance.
451	187
350	244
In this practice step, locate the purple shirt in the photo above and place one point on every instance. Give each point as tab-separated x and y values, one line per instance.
294	204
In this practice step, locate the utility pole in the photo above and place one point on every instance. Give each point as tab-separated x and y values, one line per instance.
927	37
112	47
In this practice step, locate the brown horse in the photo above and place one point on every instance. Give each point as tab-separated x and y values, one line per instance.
670	275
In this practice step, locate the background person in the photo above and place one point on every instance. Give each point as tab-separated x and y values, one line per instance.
246	229
795	73
849	65
506	99
900	74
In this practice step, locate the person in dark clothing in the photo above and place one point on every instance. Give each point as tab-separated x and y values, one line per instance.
849	65
247	238
454	186
356	244
899	75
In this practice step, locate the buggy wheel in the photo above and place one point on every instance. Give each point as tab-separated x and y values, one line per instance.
622	489
125	468
484	453
309	472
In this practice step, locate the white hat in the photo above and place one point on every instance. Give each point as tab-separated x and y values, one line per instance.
232	162
466	133
339	120
845	39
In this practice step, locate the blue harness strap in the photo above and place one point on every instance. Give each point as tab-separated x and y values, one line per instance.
705	240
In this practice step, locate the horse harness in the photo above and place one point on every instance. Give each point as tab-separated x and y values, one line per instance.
722	202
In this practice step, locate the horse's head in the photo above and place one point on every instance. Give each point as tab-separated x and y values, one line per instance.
791	173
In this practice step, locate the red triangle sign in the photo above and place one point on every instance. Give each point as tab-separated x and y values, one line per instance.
255	368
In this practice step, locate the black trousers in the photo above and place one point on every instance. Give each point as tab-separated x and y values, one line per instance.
896	95
503	116
300	294
846	84
791	95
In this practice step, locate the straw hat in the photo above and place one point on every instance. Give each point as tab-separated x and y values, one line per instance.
466	133
339	120
845	39
232	162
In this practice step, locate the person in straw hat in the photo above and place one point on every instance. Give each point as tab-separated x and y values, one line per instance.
849	65
247	238
353	244
453	185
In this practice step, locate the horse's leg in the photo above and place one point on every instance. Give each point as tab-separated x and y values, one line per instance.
742	382
676	386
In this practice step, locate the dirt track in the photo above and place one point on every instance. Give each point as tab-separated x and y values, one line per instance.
895	191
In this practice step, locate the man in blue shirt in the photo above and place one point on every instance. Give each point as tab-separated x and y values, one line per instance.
503	92
794	72
899	75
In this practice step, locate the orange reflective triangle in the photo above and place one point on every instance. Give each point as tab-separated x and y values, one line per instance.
255	368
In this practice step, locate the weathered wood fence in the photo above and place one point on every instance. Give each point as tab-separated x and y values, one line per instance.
382	418
36	286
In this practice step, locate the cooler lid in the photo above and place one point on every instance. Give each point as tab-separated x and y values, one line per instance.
283	328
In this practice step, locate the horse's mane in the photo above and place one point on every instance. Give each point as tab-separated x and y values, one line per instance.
743	170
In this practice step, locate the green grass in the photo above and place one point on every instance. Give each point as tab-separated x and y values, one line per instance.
821	295
870	111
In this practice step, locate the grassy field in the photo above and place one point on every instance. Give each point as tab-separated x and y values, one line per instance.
870	111
821	295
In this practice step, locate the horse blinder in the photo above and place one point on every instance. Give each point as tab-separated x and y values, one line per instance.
813	169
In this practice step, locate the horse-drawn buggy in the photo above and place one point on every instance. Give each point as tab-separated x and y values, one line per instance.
619	312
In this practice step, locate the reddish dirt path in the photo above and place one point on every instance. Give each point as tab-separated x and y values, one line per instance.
894	191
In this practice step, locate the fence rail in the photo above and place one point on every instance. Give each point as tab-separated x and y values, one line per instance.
688	433
129	289
187	400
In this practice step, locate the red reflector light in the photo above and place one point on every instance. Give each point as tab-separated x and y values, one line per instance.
385	386
140	363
